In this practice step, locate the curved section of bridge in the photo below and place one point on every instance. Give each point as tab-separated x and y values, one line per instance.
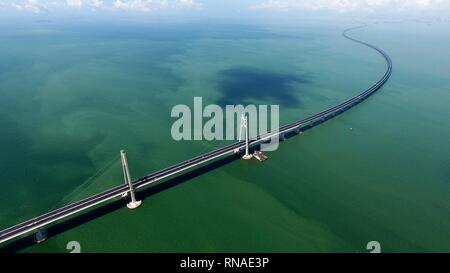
77	207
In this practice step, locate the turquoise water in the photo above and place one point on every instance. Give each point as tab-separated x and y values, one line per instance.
72	97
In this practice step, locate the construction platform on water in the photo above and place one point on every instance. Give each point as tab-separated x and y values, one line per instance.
260	156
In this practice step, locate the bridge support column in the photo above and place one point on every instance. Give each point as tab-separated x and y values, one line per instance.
126	174
244	125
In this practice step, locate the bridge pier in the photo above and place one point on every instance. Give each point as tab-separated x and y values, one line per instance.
40	236
127	177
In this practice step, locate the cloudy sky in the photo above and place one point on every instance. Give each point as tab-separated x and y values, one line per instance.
224	7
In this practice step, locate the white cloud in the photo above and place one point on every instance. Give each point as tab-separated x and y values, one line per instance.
189	4
34	6
353	5
75	3
150	5
140	5
96	3
84	3
37	6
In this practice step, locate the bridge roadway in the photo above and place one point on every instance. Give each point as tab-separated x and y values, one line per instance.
74	208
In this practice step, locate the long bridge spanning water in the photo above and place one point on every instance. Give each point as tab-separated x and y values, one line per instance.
130	186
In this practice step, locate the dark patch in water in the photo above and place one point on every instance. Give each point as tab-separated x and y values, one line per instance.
245	85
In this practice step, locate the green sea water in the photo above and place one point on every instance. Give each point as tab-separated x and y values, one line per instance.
73	96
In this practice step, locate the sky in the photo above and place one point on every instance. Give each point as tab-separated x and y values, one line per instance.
224	8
